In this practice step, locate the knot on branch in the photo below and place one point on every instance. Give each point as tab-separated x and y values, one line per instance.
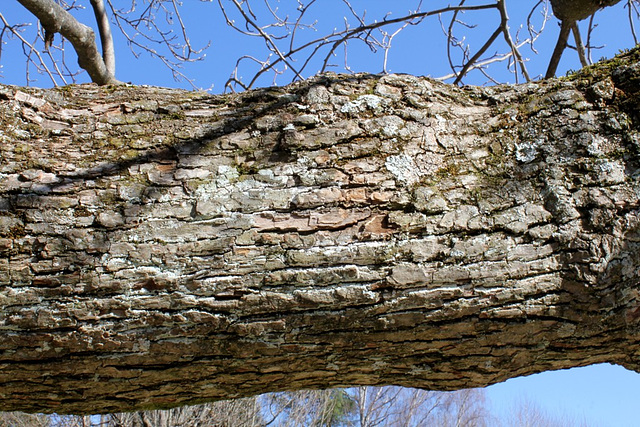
577	10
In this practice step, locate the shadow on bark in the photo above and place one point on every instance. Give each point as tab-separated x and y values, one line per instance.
345	230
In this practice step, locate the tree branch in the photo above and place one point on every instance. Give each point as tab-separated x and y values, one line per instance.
561	44
57	20
517	57
579	45
106	38
343	230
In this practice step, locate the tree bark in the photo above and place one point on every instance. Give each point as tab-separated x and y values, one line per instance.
577	10
162	247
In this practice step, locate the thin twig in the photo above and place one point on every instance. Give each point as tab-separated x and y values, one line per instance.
504	24
579	45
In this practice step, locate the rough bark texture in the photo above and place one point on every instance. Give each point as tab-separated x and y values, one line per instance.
577	10
162	247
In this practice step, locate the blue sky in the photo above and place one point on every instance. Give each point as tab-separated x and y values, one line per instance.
418	50
602	395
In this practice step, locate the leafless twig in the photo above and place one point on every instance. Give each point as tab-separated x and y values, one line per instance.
287	31
27	47
632	7
106	39
56	19
144	33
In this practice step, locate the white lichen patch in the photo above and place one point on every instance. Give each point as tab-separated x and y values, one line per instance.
411	169
387	127
526	152
611	172
596	144
268	176
363	103
225	176
403	168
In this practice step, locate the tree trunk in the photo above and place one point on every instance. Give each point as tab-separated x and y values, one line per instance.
162	247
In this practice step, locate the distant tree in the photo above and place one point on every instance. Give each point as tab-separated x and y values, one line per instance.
526	413
368	406
410	407
314	408
20	419
363	406
238	412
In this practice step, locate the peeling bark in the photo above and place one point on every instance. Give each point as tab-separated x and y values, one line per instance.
162	247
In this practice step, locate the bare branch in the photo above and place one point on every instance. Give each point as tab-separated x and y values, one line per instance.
144	34
333	41
631	5
504	25
57	20
108	52
569	13
27	48
291	52
579	45
478	54
561	44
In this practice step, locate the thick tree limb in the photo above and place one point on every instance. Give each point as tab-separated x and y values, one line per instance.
161	247
55	19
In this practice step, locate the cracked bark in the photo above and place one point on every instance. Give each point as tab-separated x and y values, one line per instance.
162	247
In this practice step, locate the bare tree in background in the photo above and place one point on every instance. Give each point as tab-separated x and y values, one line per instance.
369	406
239	412
526	413
316	408
20	419
409	407
296	45
364	406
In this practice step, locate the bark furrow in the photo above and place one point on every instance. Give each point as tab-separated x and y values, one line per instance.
161	247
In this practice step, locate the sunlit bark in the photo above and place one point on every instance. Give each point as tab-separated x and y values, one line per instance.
161	247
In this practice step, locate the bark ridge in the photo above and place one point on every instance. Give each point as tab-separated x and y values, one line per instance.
162	247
